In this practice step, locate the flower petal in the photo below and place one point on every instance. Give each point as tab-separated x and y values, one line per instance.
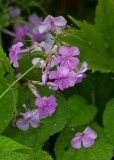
64	51
76	142
87	142
44	28
60	21
74	51
22	124
40	102
43	113
88	132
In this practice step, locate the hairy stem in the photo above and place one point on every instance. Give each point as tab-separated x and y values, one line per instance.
30	69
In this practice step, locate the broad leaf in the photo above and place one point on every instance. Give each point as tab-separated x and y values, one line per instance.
49	126
8	101
8	155
108	120
101	150
80	112
10	145
41	155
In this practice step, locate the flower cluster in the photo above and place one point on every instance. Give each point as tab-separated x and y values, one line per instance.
87	138
46	106
59	66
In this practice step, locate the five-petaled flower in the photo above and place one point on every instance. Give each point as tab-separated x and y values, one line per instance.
63	78
46	106
66	58
87	138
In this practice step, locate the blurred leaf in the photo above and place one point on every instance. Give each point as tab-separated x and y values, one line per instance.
108	119
80	112
6	77
104	22
4	19
101	150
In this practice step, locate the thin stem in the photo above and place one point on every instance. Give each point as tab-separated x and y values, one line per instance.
30	69
9	32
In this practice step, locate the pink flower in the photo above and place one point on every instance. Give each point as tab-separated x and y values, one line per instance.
52	23
14	54
64	78
27	119
87	138
80	73
46	106
67	58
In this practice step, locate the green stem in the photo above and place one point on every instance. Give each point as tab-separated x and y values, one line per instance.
30	69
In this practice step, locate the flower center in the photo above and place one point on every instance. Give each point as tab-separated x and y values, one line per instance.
27	119
61	78
67	58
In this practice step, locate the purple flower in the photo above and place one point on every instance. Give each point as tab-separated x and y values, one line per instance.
52	23
46	105
14	12
87	138
80	73
34	19
14	54
64	78
27	119
21	31
67	58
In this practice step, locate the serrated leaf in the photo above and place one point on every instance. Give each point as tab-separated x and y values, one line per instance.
10	145
101	150
108	119
41	155
6	78
80	112
96	41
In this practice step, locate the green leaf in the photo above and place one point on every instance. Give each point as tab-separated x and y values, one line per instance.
10	145
108	119
7	155
41	155
104	21
80	112
4	19
6	78
96	41
36	137
101	150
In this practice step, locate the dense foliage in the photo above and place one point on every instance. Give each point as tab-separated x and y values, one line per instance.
80	101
